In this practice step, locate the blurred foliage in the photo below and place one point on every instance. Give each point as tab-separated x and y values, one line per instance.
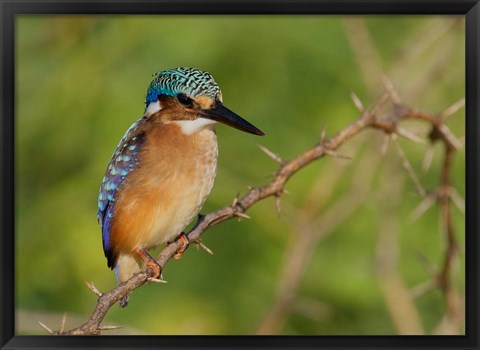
81	82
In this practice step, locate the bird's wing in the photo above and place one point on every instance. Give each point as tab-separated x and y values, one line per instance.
124	160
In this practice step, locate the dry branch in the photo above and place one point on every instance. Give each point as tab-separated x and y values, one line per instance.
327	146
310	230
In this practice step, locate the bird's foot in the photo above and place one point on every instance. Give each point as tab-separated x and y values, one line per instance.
185	242
153	268
124	301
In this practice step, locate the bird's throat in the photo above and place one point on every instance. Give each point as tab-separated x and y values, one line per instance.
190	127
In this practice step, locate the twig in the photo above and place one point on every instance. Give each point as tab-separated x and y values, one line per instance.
427	160
271	154
356	101
424	205
364	51
48	329
408	167
200	244
94	289
457	199
62	325
423	289
387	83
444	278
454	108
311	229
399	301
409	135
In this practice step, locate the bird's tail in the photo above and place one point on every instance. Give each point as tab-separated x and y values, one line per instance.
127	265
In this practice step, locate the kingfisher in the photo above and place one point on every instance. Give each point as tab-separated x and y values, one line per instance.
162	170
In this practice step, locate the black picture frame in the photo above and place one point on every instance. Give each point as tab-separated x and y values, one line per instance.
11	8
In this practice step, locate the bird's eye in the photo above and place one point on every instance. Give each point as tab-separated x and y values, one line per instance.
185	100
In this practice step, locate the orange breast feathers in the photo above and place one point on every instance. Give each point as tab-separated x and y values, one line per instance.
166	191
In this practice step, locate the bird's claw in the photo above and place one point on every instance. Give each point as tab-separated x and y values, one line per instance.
156	269
185	242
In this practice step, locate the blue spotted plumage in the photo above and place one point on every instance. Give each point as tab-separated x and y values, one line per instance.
124	160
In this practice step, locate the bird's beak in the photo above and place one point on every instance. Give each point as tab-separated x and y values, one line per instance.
222	114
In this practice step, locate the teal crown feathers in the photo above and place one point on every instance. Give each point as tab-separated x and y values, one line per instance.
189	81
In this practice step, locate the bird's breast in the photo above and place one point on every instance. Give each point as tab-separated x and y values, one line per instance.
174	176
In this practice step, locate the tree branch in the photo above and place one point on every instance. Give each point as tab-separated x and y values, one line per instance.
327	146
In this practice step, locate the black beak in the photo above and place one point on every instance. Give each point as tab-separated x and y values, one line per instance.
222	114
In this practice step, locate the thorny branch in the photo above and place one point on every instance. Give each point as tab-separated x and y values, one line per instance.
369	119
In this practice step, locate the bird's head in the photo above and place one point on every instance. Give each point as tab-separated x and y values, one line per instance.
191	98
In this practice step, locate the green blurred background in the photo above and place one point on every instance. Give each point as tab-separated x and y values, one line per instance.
81	82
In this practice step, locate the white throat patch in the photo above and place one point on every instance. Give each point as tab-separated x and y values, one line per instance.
153	107
192	126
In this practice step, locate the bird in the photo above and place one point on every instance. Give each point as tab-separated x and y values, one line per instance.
162	170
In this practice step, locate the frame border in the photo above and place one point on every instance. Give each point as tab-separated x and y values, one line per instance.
9	9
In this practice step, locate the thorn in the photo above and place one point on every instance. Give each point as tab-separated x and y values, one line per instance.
424	205
156	280
356	101
336	155
94	289
409	135
272	155
423	289
45	327
431	269
323	134
241	215
457	199
408	167
199	243
380	102
235	200
278	204
452	109
109	328
62	325
450	138
236	203
427	160
385	144
391	90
